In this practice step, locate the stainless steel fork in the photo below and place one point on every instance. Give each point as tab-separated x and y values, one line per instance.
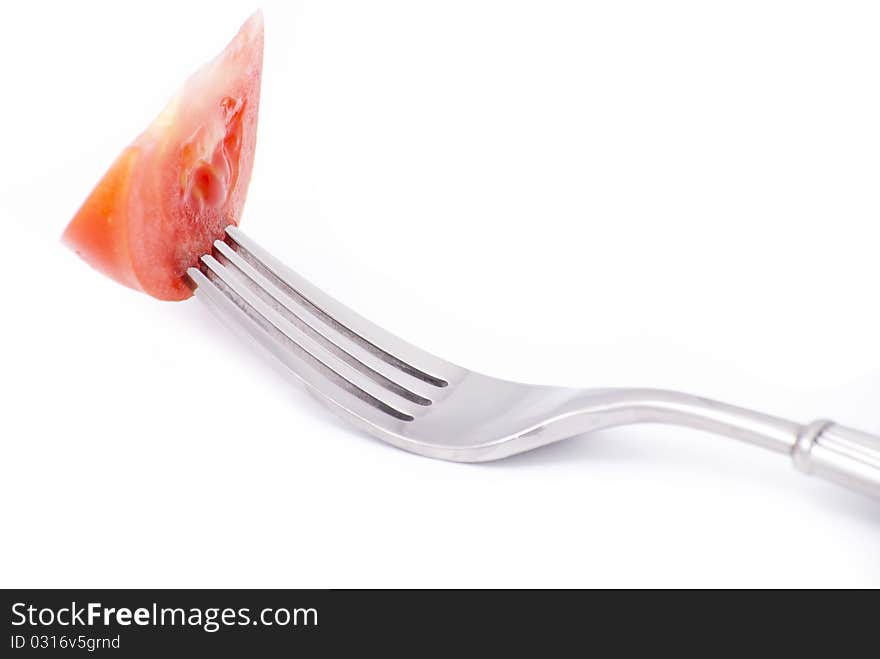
426	405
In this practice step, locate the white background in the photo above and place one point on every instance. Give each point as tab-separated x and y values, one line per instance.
681	194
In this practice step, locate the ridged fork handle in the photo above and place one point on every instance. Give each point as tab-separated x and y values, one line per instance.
846	456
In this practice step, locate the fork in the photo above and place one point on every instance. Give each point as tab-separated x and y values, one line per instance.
423	404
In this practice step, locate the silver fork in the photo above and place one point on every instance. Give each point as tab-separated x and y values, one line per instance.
426	405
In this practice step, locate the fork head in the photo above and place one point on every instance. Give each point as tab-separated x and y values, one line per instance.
384	385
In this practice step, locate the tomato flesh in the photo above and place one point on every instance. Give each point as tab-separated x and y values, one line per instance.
174	190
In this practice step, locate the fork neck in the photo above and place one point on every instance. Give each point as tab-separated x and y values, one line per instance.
620	407
843	455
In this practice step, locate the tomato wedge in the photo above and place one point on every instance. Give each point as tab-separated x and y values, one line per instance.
171	193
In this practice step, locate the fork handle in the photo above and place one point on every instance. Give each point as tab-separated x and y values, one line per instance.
823	448
844	455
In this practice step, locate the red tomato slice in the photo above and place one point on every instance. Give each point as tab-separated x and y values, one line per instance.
172	192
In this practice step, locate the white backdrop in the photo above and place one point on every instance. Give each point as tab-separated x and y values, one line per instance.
681	195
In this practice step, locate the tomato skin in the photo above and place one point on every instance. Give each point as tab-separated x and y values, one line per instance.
173	191
96	233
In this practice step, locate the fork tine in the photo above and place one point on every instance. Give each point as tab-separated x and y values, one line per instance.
382	344
316	366
412	389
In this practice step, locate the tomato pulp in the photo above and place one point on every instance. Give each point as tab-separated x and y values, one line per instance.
171	193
